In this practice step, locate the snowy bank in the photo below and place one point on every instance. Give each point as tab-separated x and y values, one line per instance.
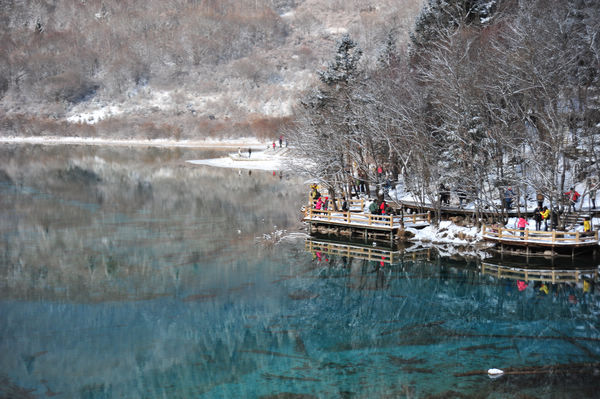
447	233
262	162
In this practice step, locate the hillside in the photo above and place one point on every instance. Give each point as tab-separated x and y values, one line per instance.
177	69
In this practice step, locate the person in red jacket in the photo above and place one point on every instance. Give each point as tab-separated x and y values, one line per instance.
521	225
382	207
572	196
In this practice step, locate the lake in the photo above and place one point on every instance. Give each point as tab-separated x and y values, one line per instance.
128	273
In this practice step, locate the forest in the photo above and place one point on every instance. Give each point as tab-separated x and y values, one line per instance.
172	69
487	95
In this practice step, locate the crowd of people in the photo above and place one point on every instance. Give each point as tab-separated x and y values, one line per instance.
544	217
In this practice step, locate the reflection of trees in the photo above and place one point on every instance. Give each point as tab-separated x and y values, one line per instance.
85	217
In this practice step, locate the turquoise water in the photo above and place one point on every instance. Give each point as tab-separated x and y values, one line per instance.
126	273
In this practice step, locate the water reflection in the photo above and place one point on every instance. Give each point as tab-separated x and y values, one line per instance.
127	273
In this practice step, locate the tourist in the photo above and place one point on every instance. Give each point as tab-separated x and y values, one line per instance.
314	193
444	195
382	207
374	207
593	186
319	203
572	196
545	216
281	141
325	203
344	205
249	152
509	195
462	196
587	225
554	218
537	216
521	225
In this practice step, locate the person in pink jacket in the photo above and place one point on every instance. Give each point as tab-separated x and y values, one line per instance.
521	223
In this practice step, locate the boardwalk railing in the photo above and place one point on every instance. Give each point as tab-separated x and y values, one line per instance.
365	219
549	276
545	237
354	204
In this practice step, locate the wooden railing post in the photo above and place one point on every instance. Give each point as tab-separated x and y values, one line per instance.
500	232
391	221
553	235
527	234
577	236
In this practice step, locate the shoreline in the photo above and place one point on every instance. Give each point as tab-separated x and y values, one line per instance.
55	140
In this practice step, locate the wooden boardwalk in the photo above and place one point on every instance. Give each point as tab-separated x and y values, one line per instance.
556	241
362	224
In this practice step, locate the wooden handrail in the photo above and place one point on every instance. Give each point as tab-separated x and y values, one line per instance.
388	221
538	235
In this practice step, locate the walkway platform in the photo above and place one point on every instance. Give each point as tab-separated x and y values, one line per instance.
363	224
572	242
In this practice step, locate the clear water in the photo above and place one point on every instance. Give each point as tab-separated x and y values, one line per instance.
126	273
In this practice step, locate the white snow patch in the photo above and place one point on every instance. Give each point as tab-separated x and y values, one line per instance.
336	31
447	233
260	162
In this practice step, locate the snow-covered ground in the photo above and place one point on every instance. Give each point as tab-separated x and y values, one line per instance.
447	233
261	162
